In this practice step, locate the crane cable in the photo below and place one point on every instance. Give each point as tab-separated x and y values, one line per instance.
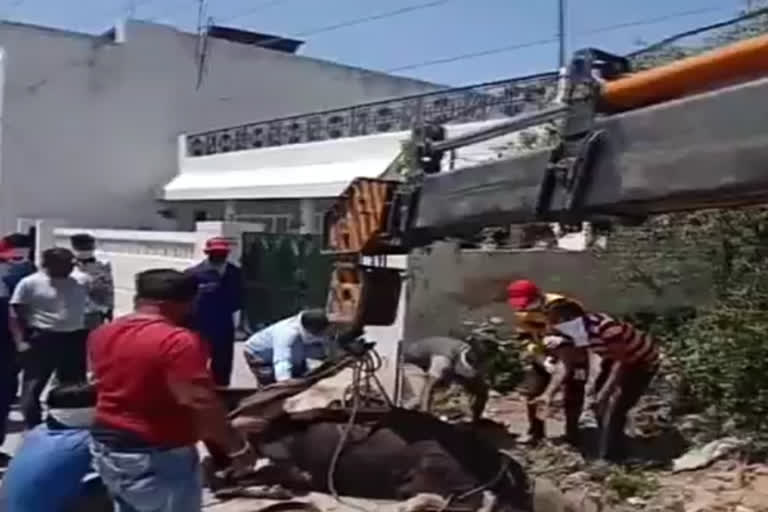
368	364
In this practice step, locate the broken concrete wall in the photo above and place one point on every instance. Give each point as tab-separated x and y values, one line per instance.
447	286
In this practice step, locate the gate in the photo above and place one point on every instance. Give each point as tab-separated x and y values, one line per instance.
283	274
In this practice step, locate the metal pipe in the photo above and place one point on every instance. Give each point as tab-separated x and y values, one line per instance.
514	124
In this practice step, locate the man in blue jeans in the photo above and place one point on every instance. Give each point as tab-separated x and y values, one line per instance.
50	472
156	400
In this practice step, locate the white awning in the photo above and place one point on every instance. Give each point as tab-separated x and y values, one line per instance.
316	169
320	180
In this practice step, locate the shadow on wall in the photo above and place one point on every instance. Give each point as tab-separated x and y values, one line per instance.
447	286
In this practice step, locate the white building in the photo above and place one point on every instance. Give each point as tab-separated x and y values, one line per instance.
90	122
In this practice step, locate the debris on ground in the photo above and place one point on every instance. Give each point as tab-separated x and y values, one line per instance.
703	456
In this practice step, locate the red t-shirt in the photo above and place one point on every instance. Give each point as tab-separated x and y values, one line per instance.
132	359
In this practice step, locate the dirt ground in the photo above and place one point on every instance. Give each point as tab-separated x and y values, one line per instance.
647	484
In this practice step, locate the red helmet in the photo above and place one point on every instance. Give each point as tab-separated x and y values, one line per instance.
6	250
217	244
522	293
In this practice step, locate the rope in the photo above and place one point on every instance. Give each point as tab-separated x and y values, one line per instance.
503	469
357	371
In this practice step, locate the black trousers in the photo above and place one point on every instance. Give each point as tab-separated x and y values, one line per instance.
631	385
9	384
60	352
9	371
535	383
222	355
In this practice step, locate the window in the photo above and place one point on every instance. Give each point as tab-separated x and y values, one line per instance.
318	226
276	223
282	223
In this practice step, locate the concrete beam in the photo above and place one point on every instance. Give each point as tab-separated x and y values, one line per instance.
703	151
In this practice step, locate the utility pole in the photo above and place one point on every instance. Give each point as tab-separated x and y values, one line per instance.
561	33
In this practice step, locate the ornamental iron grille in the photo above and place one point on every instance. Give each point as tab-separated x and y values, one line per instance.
494	100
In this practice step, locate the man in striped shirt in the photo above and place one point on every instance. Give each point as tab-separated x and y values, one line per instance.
629	361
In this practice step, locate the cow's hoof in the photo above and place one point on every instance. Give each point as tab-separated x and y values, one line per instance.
424	503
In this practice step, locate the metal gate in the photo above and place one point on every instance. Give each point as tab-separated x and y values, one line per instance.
283	274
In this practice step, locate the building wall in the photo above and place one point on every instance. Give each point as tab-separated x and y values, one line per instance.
90	126
447	286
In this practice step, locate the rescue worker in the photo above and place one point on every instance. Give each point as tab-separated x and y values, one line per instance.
101	289
630	359
544	375
51	471
219	301
282	350
447	360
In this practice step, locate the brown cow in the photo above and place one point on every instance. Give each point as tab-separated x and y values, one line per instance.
394	455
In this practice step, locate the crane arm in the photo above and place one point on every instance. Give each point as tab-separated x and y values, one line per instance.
688	135
709	150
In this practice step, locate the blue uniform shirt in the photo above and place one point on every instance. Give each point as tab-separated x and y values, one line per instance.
219	297
287	345
16	272
47	473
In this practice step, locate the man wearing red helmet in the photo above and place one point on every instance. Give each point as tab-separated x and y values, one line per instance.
544	375
219	298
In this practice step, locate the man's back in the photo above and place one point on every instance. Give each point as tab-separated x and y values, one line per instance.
46	473
421	352
132	359
264	340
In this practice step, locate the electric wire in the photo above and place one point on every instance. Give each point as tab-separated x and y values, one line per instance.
550	40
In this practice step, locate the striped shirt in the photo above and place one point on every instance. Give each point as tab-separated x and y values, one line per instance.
620	341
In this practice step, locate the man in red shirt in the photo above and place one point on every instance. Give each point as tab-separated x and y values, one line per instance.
156	399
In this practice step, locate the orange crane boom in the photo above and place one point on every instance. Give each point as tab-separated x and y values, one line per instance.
737	62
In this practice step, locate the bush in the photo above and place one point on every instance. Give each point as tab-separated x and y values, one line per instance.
718	353
506	368
722	356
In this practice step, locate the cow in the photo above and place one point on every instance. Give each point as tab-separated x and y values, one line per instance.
397	454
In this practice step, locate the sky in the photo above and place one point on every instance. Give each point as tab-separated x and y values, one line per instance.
444	30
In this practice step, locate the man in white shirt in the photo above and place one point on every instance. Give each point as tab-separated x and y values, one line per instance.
101	287
47	326
280	351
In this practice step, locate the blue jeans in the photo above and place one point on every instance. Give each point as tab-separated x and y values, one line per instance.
158	481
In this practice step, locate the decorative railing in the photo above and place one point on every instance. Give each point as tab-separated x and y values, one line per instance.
482	102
